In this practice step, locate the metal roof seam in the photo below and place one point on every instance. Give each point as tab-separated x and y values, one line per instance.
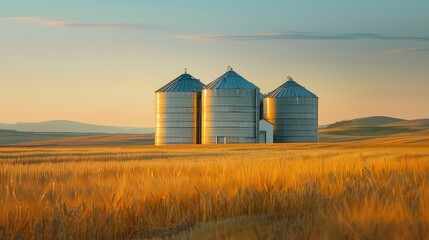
183	83
231	80
290	89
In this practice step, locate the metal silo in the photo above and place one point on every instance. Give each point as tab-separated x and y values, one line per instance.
230	110
293	111
178	111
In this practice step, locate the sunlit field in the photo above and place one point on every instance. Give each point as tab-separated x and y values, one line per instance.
284	191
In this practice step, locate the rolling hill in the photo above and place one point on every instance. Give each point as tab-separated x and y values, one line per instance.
16	137
97	140
11	137
375	128
366	121
374	121
411	123
72	127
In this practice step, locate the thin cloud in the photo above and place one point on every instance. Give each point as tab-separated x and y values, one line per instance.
60	23
407	50
298	36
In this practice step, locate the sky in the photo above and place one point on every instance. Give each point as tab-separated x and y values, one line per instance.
101	61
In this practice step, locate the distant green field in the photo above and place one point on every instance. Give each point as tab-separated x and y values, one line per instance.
374	121
375	128
367	121
15	137
373	131
8	137
411	123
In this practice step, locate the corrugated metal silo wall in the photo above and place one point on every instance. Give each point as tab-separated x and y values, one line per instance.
232	114
177	118
293	119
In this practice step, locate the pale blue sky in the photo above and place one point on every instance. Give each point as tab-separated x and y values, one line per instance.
101	61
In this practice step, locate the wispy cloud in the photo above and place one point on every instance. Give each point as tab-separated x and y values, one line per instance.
59	23
298	36
407	50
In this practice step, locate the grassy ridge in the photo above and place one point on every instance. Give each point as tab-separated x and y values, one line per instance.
372	131
383	128
302	191
375	120
16	137
98	140
10	137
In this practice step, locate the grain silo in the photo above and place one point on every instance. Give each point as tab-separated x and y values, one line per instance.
293	111
230	110
178	111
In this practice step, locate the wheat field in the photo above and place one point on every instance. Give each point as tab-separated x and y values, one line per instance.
278	191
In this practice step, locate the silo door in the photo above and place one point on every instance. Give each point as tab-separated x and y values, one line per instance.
262	136
220	140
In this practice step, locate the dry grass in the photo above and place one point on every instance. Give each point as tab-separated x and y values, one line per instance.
286	191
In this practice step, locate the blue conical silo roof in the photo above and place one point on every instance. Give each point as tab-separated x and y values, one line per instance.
290	89
183	83
231	80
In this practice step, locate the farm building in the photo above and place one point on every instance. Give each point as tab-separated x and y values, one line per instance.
293	111
231	109
178	111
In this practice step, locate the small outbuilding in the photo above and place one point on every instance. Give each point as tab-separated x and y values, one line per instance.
265	131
